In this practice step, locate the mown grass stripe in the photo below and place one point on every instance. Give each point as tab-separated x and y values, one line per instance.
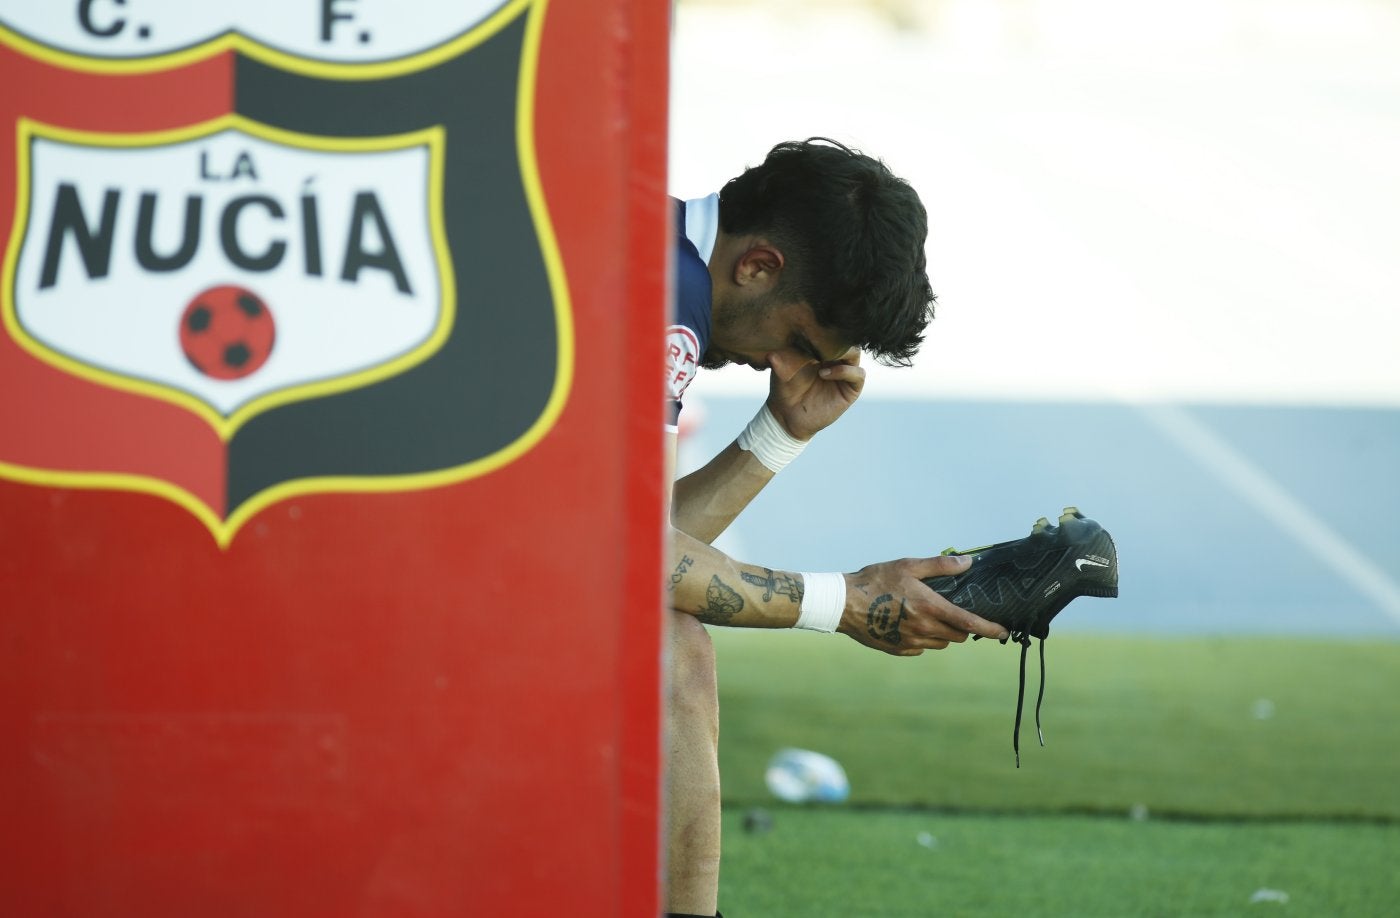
1207	728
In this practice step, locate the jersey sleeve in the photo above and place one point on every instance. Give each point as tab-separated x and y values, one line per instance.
689	333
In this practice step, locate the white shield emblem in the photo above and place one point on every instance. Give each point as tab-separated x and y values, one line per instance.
230	265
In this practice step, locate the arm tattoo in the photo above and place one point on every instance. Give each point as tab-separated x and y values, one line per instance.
883	622
679	573
721	603
781	584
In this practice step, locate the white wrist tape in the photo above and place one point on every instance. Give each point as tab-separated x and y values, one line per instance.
769	443
823	601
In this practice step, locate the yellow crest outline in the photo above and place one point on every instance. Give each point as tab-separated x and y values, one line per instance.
223	530
235	41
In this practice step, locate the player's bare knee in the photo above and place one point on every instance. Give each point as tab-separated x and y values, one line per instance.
693	686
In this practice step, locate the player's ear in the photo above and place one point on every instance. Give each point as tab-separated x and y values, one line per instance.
760	264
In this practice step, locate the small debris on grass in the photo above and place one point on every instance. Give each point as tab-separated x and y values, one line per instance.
1138	812
1269	895
757	820
1263	709
926	840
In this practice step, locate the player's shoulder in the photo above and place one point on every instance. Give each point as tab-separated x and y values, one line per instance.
692	274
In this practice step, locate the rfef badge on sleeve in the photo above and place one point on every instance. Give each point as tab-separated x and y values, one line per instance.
259	250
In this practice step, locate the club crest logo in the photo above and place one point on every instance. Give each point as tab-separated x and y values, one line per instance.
272	256
228	266
682	359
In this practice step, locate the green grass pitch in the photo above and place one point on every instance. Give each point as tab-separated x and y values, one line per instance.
889	864
1180	777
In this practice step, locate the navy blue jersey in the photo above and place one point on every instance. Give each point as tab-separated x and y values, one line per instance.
689	334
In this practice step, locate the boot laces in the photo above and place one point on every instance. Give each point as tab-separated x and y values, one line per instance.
1024	640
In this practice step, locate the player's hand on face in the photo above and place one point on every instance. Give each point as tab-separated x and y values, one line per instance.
816	394
889	608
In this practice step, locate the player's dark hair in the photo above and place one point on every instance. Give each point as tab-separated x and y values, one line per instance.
852	233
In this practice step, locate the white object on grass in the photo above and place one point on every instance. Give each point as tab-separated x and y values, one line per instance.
802	776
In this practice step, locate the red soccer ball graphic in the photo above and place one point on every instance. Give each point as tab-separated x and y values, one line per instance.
227	332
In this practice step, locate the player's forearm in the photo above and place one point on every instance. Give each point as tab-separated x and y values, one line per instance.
707	500
718	590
